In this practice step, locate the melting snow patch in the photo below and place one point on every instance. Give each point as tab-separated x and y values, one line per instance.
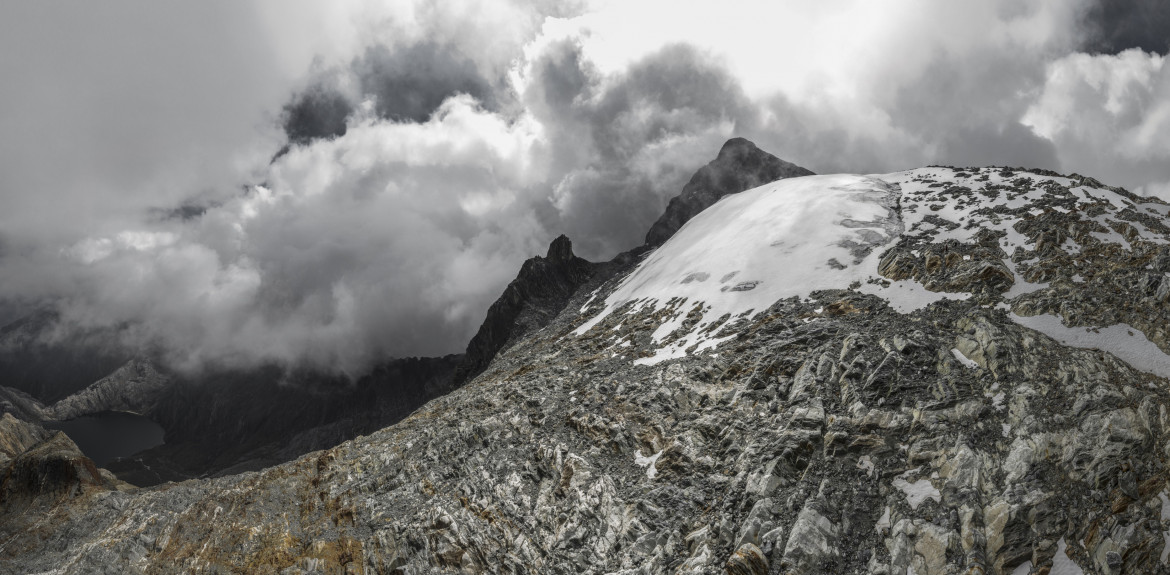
883	522
865	464
647	462
966	361
1007	429
787	238
918	491
592	296
1020	286
1023	568
997	401
1123	341
907	296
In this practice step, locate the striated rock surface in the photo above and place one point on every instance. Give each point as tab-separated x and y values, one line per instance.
739	166
923	417
539	292
135	387
20	404
41	471
17	436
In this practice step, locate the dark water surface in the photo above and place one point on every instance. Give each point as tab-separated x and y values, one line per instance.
109	435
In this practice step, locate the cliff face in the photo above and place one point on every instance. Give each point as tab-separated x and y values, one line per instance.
135	387
44	471
932	371
739	166
539	292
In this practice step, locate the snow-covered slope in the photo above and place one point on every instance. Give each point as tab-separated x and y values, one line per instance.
912	238
752	249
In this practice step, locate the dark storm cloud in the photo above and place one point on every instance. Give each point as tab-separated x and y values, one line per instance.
1114	26
405	83
409	83
318	112
630	142
967	110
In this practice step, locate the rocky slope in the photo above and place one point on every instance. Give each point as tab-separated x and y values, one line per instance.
539	292
932	372
135	387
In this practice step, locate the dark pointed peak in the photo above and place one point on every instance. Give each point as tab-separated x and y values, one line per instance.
540	291
561	249
740	165
736	147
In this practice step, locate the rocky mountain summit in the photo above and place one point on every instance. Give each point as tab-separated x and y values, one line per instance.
739	166
937	371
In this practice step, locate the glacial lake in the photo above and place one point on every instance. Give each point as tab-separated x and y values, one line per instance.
109	435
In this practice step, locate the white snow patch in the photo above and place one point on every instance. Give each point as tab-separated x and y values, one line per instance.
1020	286
592	296
997	401
1160	209
647	462
1123	341
865	464
918	491
1112	237
783	239
883	522
1109	195
1007	429
966	361
1023	568
907	296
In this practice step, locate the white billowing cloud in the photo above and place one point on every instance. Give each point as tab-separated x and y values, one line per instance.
1109	116
357	246
475	132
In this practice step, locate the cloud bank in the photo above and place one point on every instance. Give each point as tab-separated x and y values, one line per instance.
380	171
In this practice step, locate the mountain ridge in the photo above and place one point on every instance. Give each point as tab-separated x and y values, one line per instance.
925	397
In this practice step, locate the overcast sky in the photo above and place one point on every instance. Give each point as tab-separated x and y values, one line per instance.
423	150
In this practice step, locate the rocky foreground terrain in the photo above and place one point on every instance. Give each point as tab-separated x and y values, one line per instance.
931	372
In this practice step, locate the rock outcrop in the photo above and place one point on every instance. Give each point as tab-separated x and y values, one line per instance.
21	405
17	436
41	471
739	166
136	387
539	292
